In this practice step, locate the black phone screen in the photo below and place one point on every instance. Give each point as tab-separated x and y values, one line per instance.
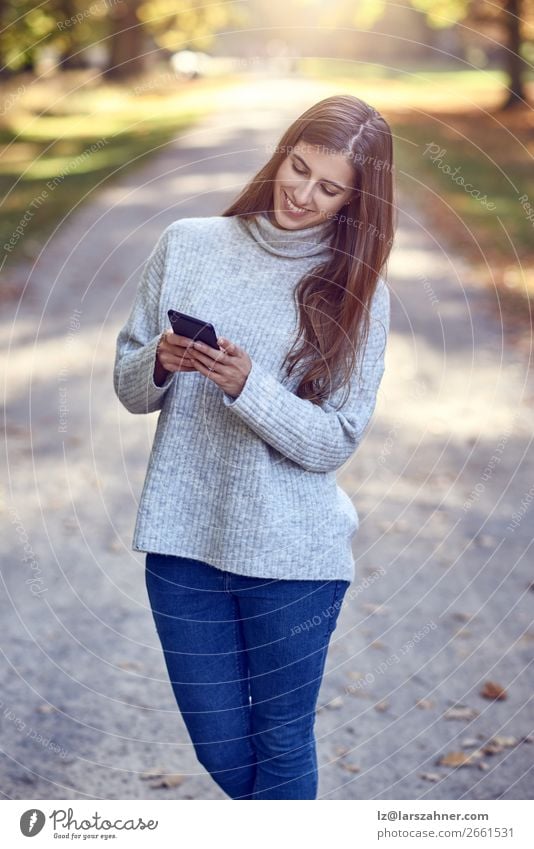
193	327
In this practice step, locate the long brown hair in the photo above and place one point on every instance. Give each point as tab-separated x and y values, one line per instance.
333	300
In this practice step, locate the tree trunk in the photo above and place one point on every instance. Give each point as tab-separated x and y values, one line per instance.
514	62
126	41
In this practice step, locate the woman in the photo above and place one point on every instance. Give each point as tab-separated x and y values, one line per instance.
247	534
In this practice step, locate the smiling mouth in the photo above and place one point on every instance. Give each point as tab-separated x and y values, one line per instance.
293	208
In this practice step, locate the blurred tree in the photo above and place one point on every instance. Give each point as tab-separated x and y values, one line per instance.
69	27
126	40
188	24
24	27
78	26
511	22
64	27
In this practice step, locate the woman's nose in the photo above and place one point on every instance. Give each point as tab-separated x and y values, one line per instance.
304	194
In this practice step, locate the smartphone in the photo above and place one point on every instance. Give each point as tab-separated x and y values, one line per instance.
194	328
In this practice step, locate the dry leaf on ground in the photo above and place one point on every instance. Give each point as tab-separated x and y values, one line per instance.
460	712
498	744
155	772
424	704
335	703
349	767
491	690
460	758
468	742
430	776
169	781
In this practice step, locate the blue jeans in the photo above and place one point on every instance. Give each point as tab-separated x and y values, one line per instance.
245	658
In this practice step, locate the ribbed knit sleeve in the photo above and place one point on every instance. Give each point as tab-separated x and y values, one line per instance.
133	373
318	438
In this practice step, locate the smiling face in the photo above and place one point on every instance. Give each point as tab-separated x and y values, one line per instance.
318	182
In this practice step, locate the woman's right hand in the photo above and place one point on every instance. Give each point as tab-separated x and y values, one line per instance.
171	355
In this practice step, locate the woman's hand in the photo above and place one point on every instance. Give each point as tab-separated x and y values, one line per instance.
173	352
228	368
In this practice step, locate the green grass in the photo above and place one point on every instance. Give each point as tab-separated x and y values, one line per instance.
61	173
59	147
411	73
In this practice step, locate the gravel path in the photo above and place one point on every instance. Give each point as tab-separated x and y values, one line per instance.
441	603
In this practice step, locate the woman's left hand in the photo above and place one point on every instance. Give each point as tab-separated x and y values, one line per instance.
228	368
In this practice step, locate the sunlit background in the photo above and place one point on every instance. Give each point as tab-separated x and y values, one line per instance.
457	73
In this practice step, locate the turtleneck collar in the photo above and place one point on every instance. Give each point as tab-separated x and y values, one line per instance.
306	241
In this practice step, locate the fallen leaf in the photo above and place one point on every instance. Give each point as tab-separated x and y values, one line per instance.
172	780
382	706
460	712
153	773
463	617
430	776
130	664
349	767
460	758
498	744
335	703
359	692
46	708
505	741
377	644
469	741
492	748
375	608
356	676
491	690
424	704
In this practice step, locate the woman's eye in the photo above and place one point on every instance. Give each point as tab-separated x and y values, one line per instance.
300	171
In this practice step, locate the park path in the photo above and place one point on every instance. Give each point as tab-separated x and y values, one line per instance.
86	704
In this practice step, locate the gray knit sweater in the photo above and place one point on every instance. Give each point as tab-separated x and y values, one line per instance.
246	483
